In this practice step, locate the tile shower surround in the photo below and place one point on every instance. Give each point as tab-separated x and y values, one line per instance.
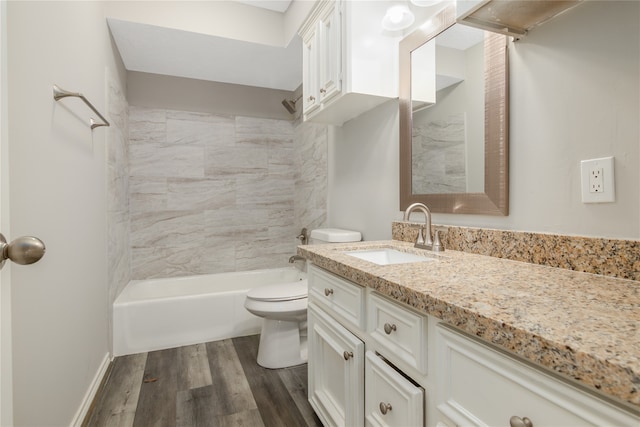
213	193
118	249
607	257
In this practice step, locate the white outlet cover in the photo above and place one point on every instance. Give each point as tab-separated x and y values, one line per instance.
608	194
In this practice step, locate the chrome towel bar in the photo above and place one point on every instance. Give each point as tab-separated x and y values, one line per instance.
59	93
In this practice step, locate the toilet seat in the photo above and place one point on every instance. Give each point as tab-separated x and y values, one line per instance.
280	292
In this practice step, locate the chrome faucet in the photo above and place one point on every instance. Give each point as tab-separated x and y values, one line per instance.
295	258
426	242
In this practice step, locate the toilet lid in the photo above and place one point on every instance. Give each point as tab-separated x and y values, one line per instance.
280	291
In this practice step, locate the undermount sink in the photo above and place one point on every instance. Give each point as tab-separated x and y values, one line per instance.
386	256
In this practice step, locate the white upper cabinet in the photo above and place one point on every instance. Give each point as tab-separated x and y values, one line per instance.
350	64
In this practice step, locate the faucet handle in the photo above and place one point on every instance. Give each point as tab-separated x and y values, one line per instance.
419	238
437	244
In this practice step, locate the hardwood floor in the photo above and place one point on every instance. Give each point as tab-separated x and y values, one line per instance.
213	384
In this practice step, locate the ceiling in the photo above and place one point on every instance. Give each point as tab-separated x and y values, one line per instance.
275	5
160	50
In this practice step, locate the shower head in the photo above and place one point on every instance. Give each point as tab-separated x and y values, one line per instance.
290	104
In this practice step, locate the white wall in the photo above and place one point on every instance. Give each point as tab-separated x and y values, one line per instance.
178	93
206	17
575	94
363	173
58	193
212	17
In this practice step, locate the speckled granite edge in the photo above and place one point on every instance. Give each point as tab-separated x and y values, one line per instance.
608	257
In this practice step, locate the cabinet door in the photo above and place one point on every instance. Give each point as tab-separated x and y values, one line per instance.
391	399
336	371
310	76
480	386
330	66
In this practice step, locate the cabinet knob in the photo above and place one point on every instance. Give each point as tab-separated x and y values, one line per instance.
520	422
323	90
312	98
389	328
385	407
328	292
347	355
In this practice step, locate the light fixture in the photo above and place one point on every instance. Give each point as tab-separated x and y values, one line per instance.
425	3
397	18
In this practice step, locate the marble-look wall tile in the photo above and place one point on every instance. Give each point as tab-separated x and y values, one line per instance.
213	193
147	125
160	159
167	228
608	257
311	173
118	226
255	126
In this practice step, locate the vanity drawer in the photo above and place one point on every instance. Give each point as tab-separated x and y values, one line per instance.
337	296
481	386
398	330
390	398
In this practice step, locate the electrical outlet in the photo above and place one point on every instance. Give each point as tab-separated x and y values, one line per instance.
595	180
598	184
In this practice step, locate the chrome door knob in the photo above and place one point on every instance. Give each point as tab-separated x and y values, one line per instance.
23	250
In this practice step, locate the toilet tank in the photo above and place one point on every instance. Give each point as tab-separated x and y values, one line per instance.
333	235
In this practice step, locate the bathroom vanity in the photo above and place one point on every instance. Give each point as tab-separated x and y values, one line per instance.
463	339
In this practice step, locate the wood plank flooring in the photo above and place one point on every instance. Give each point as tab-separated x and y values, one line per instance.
212	384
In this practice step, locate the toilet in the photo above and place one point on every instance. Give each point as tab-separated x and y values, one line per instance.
283	307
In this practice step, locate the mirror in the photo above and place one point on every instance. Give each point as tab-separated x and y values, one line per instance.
454	118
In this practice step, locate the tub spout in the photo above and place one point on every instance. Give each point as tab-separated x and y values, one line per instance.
295	258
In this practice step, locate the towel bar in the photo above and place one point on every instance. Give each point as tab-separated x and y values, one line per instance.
59	93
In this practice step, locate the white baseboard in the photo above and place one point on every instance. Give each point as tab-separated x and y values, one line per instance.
91	392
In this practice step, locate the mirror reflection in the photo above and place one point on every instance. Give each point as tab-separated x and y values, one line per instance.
454	118
447	95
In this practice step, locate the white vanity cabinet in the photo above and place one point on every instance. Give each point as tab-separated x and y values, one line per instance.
345	387
349	64
478	385
376	362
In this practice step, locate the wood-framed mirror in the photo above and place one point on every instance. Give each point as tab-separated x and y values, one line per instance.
436	155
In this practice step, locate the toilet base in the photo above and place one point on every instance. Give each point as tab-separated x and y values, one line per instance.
281	344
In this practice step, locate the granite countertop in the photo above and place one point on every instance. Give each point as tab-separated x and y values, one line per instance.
583	326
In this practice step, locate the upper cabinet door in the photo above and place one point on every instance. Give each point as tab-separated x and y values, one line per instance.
310	71
330	32
356	65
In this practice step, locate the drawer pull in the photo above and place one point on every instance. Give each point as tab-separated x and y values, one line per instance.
312	98
328	292
323	90
385	407
347	355
389	328
520	422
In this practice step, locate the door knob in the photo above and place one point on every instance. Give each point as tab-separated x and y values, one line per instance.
23	250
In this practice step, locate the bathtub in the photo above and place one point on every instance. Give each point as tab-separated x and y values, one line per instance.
164	313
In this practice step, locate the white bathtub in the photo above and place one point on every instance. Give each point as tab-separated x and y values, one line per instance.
163	313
